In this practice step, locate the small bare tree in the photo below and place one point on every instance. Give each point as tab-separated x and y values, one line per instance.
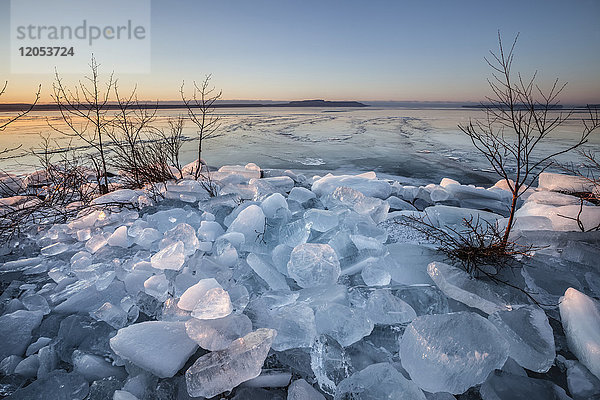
518	117
142	151
201	108
84	111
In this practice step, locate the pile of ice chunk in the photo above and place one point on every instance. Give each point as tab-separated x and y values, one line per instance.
272	284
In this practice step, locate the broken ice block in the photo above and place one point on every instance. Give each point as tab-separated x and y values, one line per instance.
273	204
314	264
385	308
119	238
214	304
344	324
15	331
194	293
529	336
159	347
451	352
301	390
209	231
157	286
294	323
367	184
186	234
250	222
222	370
458	285
407	263
217	334
268	273
322	220
580	317
504	386
378	381
171	257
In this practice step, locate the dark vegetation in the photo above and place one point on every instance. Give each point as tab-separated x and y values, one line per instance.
114	143
517	117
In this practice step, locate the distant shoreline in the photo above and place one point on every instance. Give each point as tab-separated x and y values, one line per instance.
168	106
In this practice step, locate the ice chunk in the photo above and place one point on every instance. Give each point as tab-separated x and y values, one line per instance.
448	216
194	293
504	386
269	378
313	264
301	390
321	220
564	183
368	185
582	384
8	365
554	199
186	234
93	367
397	204
268	273
344	324
113	315
147	237
301	195
321	295
407	263
458	285
580	316
330	363
563	218
529	336
123	395
35	302
15	331
38	344
378	381
222	370
96	242
159	347
54	249
248	171
385	308
250	222
294	233
273	204
29	366
210	230
294	323
374	274
451	352
119	238
281	184
157	286
217	334
57	385
171	257
214	304
280	256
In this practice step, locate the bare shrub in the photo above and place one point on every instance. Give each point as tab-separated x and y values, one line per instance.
200	109
519	115
84	109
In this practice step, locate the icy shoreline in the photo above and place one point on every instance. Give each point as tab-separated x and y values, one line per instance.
305	287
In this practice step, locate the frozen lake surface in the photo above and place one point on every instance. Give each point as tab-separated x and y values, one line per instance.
422	145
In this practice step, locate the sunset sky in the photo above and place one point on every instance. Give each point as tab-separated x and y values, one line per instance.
351	50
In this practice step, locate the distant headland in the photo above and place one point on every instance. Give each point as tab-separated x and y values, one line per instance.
175	105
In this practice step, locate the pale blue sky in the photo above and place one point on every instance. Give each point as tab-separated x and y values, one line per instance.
359	50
